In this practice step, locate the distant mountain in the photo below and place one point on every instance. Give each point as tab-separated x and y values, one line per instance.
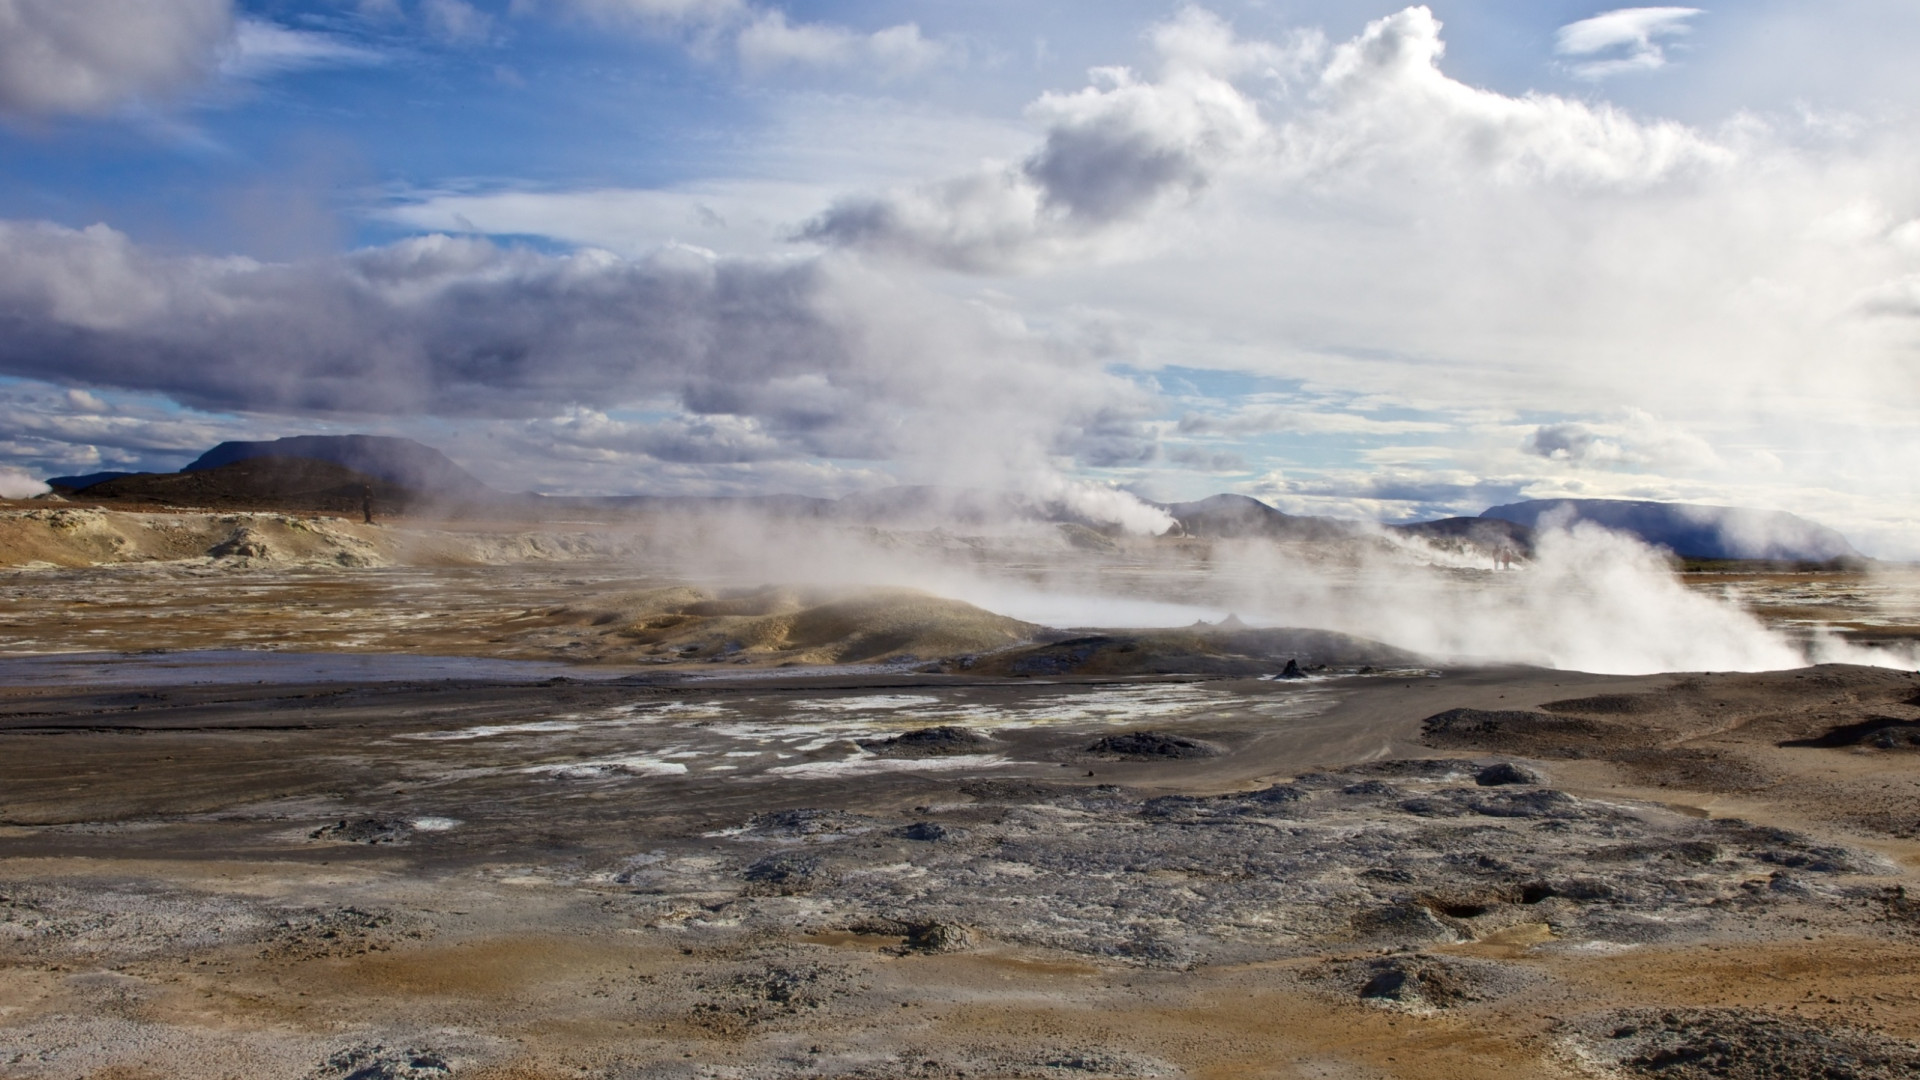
1239	516
71	484
1488	534
291	484
401	462
1693	531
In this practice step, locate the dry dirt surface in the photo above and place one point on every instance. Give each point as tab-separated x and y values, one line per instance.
702	873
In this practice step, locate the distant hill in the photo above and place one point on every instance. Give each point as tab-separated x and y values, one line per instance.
400	462
1488	534
70	484
1692	531
302	484
1240	516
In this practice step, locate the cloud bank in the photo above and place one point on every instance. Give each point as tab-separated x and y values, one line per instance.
760	358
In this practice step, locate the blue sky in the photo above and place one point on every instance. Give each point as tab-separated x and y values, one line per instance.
1382	262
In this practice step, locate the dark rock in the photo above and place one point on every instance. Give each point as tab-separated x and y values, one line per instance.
946	740
376	1062
785	873
1505	772
370	830
1739	1044
930	831
807	821
1875	732
938	937
1151	744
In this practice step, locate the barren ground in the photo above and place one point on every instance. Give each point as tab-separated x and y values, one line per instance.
700	869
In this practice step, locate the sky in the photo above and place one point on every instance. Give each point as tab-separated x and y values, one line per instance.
1368	261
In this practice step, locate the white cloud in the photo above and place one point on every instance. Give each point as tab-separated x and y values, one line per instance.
1637	440
1124	149
92	56
1623	40
260	48
1114	152
770	42
457	22
760	358
656	12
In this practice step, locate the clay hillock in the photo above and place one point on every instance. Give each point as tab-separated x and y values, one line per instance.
946	740
1236	517
784	625
1197	650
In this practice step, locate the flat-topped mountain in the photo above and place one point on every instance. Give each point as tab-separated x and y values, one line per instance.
399	462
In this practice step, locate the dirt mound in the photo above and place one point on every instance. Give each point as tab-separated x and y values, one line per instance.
1514	731
943	741
1736	1044
1198	650
1606	705
1874	733
1151	744
1423	980
785	625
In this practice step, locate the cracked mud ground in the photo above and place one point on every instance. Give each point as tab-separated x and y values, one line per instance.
1423	874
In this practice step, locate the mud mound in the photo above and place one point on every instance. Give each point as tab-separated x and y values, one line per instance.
943	741
1874	733
1734	1044
794	626
1422	980
1198	650
1513	731
1606	705
1150	745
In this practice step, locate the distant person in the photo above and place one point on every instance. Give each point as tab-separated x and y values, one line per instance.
366	502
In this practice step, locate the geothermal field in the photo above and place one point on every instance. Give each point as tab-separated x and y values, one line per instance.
289	795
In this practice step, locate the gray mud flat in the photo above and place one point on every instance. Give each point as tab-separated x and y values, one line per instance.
1422	874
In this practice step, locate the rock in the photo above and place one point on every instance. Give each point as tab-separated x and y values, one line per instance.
929	831
370	830
784	874
1739	1044
946	740
244	543
376	1062
1291	671
1151	744
938	937
1505	772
